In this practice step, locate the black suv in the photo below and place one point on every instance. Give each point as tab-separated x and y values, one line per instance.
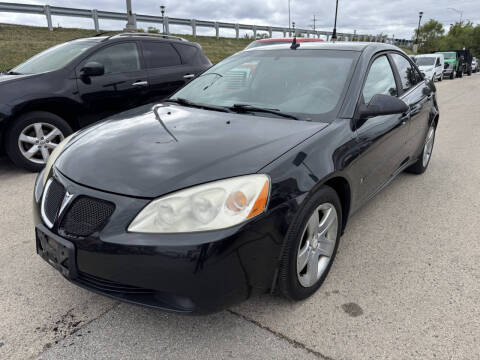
82	81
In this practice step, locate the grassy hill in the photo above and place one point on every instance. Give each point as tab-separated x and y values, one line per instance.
18	43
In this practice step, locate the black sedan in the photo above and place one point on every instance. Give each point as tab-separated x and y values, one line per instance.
242	182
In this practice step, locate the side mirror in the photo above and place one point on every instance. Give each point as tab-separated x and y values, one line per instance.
382	105
92	68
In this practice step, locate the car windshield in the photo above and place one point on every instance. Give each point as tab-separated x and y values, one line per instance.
54	58
425	61
308	84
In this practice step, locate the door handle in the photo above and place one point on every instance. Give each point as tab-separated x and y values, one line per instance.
189	76
140	83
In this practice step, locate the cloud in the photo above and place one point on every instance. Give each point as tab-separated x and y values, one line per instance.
394	17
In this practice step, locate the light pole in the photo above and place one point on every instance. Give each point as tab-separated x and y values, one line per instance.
293	26
420	14
162	10
131	26
334	34
289	31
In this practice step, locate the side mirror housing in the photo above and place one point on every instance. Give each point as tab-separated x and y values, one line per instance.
382	105
93	68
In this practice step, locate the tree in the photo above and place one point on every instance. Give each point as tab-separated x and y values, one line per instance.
429	36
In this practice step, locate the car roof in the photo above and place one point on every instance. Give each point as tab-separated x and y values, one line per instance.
136	36
289	40
340	45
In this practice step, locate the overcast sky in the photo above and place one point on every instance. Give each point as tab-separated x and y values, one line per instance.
393	17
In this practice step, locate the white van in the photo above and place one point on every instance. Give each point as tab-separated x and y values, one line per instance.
431	65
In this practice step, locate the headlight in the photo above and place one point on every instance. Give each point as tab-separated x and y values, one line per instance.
53	156
212	206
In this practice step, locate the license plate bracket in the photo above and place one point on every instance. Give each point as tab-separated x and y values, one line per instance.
58	252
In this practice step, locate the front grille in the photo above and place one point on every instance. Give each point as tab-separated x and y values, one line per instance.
108	286
53	200
85	216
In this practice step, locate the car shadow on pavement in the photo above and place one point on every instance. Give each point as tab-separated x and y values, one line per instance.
8	168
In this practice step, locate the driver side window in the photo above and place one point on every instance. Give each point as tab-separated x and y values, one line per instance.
380	80
120	58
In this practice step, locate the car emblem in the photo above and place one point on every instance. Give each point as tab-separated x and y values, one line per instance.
66	200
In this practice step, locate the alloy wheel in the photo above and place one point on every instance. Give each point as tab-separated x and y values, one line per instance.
317	244
428	148
37	141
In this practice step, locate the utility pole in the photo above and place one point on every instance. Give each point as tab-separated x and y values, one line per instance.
314	23
162	10
289	20
334	34
420	14
131	26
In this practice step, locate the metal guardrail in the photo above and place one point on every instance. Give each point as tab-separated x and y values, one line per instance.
96	15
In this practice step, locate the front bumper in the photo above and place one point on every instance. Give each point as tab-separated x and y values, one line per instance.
188	273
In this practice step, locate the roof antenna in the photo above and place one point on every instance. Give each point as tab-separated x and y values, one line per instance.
294	45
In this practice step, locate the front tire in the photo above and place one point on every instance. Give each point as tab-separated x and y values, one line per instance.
421	165
32	137
311	245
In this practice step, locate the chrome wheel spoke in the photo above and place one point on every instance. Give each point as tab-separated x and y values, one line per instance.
31	152
328	219
38	130
313	224
45	153
27	139
311	276
52	134
326	246
303	257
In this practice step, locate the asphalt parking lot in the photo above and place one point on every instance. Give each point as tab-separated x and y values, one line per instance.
405	284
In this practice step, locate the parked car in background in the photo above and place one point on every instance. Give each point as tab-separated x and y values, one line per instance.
227	188
275	41
431	66
464	62
74	84
475	65
450	63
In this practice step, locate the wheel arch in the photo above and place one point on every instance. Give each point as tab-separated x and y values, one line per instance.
342	187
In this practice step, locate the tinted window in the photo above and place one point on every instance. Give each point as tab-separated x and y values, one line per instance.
118	58
188	53
298	82
380	80
160	54
408	74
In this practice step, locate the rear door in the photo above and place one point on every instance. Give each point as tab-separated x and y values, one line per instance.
121	87
418	95
166	70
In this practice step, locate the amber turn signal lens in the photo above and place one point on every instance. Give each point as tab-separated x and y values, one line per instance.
261	201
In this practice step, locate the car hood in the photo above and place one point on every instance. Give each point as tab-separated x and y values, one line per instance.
4	78
135	155
426	68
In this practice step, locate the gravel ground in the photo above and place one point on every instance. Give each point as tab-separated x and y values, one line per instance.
405	284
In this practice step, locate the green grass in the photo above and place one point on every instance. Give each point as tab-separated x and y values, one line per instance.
18	43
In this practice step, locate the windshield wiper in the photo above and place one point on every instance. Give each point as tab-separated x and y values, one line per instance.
13	73
247	108
185	102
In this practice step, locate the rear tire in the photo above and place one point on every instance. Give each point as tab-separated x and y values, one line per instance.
32	136
310	245
421	165
452	75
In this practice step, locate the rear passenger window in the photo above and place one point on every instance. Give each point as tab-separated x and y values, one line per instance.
380	80
409	76
159	54
188	53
